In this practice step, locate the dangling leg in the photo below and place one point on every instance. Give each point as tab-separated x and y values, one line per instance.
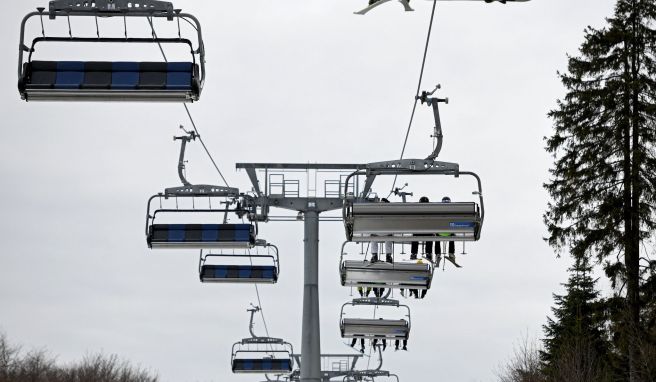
389	251
414	250
374	252
362	345
429	251
353	342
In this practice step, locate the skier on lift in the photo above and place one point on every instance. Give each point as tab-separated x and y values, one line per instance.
451	257
428	245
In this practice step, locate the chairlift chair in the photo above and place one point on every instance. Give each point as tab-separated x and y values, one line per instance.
261	355
367	221
198	236
375	328
159	81
241	273
397	275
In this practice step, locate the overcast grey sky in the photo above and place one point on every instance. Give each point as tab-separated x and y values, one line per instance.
297	81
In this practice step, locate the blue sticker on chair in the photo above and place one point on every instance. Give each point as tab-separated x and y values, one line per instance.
177	233
248	364
462	224
267	364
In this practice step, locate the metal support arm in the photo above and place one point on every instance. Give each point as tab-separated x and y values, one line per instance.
435	103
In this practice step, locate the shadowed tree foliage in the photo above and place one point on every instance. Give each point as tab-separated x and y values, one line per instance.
576	346
38	366
603	186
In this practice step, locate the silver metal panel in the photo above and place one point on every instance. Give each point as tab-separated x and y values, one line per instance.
414	209
408	238
383	219
387	225
95	95
380	328
398	275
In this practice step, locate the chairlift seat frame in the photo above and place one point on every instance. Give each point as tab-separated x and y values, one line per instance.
242	273
408	222
375	328
365	221
199	236
242	361
380	274
175	86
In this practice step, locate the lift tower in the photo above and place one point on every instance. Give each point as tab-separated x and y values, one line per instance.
286	194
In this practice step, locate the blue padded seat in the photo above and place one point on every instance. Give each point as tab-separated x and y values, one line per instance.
266	365
238	272
205	233
174	76
178	80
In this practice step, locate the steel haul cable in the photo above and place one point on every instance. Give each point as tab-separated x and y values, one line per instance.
193	124
191	119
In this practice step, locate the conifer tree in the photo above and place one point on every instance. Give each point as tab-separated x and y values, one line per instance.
603	186
576	346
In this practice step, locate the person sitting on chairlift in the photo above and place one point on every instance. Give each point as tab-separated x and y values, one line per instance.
389	247
451	257
355	341
398	342
364	292
428	246
376	342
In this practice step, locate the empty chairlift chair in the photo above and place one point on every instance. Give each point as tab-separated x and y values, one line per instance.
197	236
375	328
398	275
112	80
249	270
261	355
261	362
